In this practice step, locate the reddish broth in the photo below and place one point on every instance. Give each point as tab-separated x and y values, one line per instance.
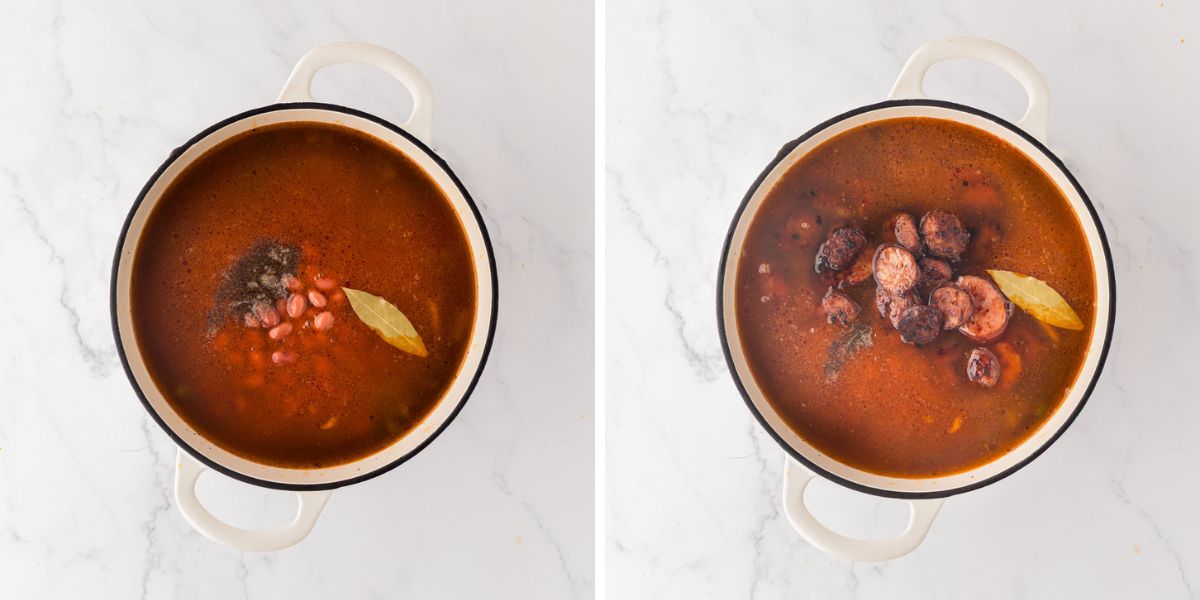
359	212
895	409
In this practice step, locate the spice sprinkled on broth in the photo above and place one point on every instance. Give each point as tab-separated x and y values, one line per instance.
867	309
239	306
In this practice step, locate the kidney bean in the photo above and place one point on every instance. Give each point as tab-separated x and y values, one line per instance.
323	321
251	320
293	283
324	283
283	357
281	306
337	298
296	305
266	315
280	331
316	298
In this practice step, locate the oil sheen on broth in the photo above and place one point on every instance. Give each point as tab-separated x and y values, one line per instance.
347	207
892	408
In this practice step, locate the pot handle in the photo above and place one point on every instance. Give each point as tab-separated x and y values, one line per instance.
189	470
920	516
299	84
909	83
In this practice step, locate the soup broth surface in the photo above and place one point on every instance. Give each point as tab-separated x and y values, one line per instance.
353	211
893	408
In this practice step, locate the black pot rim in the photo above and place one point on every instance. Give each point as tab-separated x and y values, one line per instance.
200	456
739	214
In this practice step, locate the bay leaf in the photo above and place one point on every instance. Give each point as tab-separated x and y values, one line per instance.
1037	299
387	320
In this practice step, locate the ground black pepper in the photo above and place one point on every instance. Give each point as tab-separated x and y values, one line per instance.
258	276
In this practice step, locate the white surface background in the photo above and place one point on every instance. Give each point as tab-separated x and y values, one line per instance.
92	98
700	97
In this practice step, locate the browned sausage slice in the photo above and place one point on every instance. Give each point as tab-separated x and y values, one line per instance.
858	271
840	248
991	309
839	308
895	269
919	324
983	367
934	272
891	306
907	234
944	235
954	303
882	301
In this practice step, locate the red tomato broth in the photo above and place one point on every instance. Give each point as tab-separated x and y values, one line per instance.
362	214
895	409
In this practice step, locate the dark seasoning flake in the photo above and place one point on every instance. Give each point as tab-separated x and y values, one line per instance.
258	276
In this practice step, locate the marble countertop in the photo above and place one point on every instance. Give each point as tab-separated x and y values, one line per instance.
700	96
92	98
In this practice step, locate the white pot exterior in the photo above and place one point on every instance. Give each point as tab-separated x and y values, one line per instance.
897	486
273	476
925	495
312	486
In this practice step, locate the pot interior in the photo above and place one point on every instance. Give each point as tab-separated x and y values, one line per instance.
948	484
273	476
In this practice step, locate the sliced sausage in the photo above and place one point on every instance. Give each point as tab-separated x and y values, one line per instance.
895	269
944	235
954	303
934	272
919	324
990	309
840	248
891	305
882	301
983	367
839	308
907	234
858	271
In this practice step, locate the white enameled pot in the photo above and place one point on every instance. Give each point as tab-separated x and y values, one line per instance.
803	462
312	486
